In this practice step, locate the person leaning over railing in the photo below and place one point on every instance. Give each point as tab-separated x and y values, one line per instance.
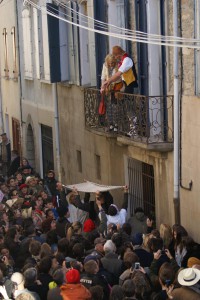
110	68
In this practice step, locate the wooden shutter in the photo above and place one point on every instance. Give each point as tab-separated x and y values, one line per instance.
5	42
27	43
36	42
14	51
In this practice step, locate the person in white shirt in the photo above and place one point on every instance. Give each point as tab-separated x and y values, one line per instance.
116	216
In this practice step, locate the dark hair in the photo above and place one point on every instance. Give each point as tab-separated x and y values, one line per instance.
166	274
96	292
112	210
45	265
117	239
62	211
156	233
51	237
47	212
34	248
116	293
129	259
78	250
128	288
138	209
63	246
58	276
155	244
126	227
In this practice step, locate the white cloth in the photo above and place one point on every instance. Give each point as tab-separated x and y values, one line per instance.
91	187
119	218
126	65
76	214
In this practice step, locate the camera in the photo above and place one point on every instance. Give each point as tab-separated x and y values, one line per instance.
137	266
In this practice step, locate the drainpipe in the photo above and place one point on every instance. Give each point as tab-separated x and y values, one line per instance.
19	78
57	136
176	119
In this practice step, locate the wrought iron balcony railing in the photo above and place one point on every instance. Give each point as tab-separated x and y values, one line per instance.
141	118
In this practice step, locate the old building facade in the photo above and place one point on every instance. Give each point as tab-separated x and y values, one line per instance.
68	77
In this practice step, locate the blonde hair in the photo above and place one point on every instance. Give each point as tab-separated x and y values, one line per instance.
74	228
166	234
110	58
146	239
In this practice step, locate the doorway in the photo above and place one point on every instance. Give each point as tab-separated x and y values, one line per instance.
141	186
47	148
30	146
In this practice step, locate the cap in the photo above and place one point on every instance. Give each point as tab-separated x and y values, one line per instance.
73	276
23	186
99	240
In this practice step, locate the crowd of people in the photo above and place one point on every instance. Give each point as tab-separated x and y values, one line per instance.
56	245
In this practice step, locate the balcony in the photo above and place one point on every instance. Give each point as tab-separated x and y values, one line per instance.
142	121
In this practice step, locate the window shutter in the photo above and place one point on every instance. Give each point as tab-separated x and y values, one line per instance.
27	43
14	50
5	40
36	42
84	48
64	49
45	47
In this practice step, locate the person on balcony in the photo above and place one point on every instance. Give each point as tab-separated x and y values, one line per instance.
109	69
126	71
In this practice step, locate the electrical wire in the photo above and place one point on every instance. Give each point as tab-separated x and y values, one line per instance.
107	26
157	37
116	35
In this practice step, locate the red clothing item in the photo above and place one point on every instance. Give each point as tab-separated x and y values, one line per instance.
74	292
123	57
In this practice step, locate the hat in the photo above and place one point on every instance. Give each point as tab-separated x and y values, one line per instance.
88	226
94	256
73	276
189	276
99	240
23	186
109	246
138	239
193	261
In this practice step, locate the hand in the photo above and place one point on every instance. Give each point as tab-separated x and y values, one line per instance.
125	188
102	90
141	269
106	84
157	255
168	254
3	292
169	291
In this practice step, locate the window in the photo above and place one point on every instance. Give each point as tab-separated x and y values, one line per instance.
79	160
27	43
98	166
6	70
13	34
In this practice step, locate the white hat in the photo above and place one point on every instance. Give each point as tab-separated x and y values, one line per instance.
109	246
189	276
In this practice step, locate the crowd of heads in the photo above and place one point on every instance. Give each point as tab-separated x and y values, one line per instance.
55	245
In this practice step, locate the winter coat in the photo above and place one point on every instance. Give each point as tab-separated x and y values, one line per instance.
138	223
74	292
185	293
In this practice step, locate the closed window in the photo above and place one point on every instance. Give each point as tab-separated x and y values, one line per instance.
5	40
14	51
27	43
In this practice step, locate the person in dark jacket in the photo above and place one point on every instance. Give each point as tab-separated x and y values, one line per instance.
105	198
15	163
62	223
5	153
91	277
50	183
138	221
